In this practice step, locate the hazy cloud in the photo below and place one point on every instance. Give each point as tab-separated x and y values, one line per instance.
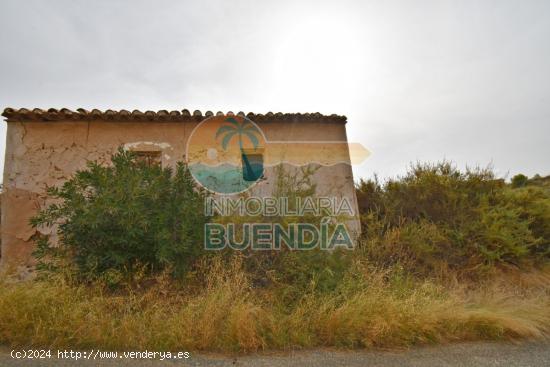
463	80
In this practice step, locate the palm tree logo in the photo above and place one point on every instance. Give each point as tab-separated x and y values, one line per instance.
241	130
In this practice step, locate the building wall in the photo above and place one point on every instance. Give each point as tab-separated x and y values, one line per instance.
46	153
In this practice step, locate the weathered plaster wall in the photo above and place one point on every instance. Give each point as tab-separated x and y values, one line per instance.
43	153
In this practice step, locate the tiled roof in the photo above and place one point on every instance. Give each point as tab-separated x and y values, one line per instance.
53	114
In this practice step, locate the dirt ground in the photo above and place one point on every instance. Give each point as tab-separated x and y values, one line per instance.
463	354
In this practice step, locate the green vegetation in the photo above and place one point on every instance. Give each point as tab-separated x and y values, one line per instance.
445	256
127	217
221	310
438	220
519	180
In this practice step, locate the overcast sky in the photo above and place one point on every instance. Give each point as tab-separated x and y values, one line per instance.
468	81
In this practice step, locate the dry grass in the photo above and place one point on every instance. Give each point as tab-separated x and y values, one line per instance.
227	314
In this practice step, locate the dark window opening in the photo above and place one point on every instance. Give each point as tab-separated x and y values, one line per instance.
253	166
149	158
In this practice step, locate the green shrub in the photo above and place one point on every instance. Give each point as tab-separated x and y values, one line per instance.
437	218
127	216
533	205
439	193
417	246
292	271
519	180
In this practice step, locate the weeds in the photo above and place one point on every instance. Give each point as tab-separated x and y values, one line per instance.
437	219
368	308
445	256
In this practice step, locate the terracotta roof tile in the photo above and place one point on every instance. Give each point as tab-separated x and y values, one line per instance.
53	114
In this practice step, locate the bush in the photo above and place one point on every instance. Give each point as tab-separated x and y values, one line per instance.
519	180
119	218
116	219
437	217
533	206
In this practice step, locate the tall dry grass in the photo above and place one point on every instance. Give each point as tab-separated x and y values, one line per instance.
369	308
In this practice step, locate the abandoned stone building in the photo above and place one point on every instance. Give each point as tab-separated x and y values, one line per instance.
45	147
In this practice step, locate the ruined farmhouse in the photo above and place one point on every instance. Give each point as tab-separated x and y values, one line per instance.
45	147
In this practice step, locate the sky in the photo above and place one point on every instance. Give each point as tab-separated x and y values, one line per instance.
465	81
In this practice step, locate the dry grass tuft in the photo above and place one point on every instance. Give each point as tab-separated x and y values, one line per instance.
227	314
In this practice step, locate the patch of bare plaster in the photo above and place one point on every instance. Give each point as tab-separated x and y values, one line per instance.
46	164
147	145
23	205
99	154
19	136
15	147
